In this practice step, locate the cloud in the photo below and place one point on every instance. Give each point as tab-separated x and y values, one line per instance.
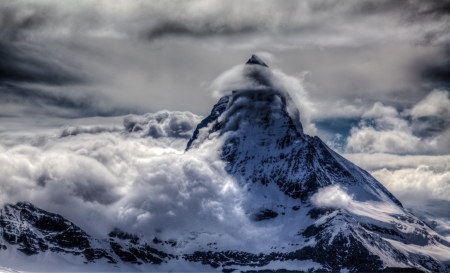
380	111
163	124
69	102
127	179
230	80
76	130
304	23
25	63
103	49
26	169
36	81
295	87
416	185
332	197
242	77
436	73
15	22
369	140
198	29
436	104
392	162
384	130
431	117
80	176
414	179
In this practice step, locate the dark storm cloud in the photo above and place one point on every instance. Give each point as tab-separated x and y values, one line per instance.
24	63
33	96
374	7
434	9
215	19
430	126
409	13
437	75
305	18
15	21
314	20
34	79
32	100
413	8
29	20
112	37
175	28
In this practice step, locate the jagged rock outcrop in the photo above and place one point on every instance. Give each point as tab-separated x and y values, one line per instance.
34	231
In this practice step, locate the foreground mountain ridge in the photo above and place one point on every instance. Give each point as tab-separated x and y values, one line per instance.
291	181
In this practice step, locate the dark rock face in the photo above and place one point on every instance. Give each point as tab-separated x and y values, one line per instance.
117	233
316	213
354	257
255	60
35	230
265	214
135	252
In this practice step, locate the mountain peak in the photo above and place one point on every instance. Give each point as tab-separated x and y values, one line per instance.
256	60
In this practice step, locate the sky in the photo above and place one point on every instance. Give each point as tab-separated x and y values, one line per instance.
370	78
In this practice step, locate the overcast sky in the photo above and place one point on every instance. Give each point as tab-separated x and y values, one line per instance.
371	78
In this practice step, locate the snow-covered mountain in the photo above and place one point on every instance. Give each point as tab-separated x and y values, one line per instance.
360	227
318	211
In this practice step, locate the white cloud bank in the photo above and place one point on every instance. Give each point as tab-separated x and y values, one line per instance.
129	178
147	185
436	104
424	189
163	124
384	130
416	185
